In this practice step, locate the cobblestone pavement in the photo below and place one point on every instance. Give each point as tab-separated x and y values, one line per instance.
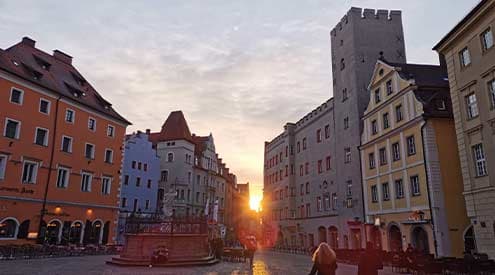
265	263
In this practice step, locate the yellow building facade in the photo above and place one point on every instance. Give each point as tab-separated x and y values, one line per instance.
410	167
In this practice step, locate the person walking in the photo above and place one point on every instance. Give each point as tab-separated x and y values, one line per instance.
369	261
324	260
251	247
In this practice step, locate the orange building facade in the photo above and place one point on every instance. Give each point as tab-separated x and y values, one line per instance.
60	152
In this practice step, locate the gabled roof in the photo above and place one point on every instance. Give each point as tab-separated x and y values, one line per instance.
174	128
55	73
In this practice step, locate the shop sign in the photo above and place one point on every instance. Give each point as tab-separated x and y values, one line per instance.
22	190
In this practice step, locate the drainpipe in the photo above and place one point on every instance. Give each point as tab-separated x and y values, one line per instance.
435	244
40	239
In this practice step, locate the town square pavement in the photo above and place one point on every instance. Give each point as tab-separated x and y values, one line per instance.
265	263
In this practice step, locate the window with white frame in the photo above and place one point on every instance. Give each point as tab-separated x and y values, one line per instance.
398	113
465	57
8	229
334	201
487	39
63	177
377	96
386	123
347	152
349	188
66	144
399	189
411	146
371	160
138	181
164	175
16	96
89	151
41	136
86	179
346	122
388	84
124	202
383	156
415	186
105	185
374	193
396	151
491	89
147	204
110	131
327	202
386	191
319	204
70	115
44	106
472	106
29	172
108	155
170	157
479	160
374	127
92	124
3	166
12	128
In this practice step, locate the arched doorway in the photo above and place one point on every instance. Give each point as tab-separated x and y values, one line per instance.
23	230
53	231
356	238
395	238
9	228
333	234
470	240
106	232
76	230
420	240
96	232
322	234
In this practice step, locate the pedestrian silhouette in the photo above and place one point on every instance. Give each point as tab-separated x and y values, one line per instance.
324	260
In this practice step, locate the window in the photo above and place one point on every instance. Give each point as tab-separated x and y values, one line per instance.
69	116
110	131
374	193
328	166
334	201
63	177
133	165
109	156
41	137
371	157
327	127
29	172
298	146
318	135
491	88
305	145
388	84
320	166
124	202
345	95
306	168
86	182
164	175
8	229
472	106
346	122
3	166
465	57
145	167
347	152
147	204
170	157
342	64
398	113
301	170
399	189
480	161
385	191
66	144
105	185
138	181
386	123
12	128
374	127
308	210
349	188
383	156
301	191
411	146
377	96
16	96
326	204
487	39
44	106
396	151
126	180
89	151
140	164
92	124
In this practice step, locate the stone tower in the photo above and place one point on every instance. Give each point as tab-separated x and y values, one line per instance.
358	40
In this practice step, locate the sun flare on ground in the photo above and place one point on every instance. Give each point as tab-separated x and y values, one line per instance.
254	202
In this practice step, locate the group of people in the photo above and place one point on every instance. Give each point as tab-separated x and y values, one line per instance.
325	261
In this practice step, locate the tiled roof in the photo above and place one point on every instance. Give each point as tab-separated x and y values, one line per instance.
174	128
55	73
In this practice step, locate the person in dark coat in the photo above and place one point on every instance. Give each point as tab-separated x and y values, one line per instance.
324	260
369	261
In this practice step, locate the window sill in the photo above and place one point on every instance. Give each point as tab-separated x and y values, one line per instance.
416	195
13	138
41	145
481	176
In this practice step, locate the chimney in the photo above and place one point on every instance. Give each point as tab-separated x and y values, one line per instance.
59	55
28	41
148	131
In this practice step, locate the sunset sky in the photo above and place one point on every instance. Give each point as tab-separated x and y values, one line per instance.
238	69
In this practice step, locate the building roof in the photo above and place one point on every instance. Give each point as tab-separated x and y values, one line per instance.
174	128
461	23
55	73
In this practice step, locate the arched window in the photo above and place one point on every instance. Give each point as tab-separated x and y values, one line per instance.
8	228
170	157
342	64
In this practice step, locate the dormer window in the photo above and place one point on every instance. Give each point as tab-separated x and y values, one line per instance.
43	64
79	80
15	63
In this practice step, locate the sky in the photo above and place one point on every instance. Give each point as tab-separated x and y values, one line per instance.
237	69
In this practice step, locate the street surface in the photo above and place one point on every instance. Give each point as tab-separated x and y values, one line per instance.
265	263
